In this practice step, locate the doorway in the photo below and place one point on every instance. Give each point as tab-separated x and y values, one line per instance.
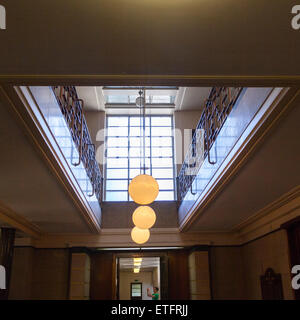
136	291
137	277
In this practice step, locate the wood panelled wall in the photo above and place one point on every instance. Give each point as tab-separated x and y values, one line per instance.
236	271
40	274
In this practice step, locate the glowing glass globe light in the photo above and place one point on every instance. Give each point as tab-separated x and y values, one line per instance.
143	189
136	270
140	236
144	217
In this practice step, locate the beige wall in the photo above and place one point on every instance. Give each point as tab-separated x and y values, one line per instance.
184	120
236	271
167	216
40	274
126	278
271	251
227	273
199	275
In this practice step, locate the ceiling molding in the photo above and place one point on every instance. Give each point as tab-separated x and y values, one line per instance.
271	217
163	237
15	220
281	201
146	79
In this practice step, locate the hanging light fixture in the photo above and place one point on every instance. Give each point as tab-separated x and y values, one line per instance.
143	189
136	270
140	236
144	217
137	259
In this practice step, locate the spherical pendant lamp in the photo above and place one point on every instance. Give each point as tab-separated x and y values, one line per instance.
140	236
144	217
143	189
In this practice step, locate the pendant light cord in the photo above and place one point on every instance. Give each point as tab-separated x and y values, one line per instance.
144	130
140	93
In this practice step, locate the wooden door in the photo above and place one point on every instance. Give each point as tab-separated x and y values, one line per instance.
103	276
178	275
164	278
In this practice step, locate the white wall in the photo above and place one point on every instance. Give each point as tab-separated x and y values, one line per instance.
184	120
126	278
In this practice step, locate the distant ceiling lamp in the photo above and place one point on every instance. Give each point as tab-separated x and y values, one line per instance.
144	217
137	264
136	270
137	259
140	101
140	236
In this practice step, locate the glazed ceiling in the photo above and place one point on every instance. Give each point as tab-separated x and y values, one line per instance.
182	98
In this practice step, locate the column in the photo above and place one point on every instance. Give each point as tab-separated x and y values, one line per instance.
199	275
80	277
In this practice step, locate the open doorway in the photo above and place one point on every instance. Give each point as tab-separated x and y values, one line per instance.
138	278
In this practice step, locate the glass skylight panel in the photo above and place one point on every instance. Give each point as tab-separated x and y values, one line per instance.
116	196
114	99
161	99
131	99
117	122
124	155
138	88
116	185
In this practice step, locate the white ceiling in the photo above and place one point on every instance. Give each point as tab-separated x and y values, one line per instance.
147	263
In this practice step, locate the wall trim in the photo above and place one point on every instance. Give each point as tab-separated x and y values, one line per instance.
270	218
281	201
148	79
